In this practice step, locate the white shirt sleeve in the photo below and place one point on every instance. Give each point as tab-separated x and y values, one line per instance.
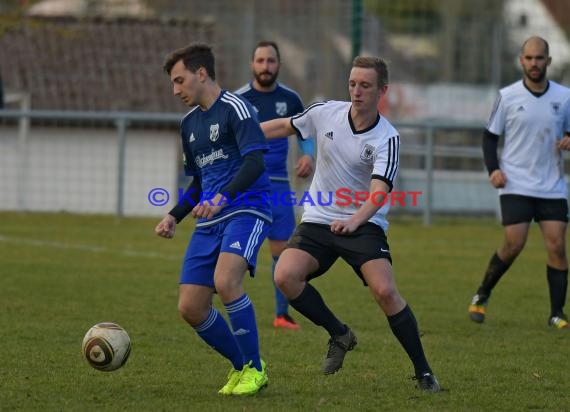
305	123
496	123
387	160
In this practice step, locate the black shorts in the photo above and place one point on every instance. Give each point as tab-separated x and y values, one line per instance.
368	242
521	209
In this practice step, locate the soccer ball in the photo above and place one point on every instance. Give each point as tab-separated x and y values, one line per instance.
106	346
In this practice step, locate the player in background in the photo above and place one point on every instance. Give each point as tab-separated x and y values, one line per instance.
357	149
272	100
533	114
223	151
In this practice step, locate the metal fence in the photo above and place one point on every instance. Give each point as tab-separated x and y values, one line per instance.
56	168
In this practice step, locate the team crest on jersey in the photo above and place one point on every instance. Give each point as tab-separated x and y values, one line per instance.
555	106
214	132
367	153
281	108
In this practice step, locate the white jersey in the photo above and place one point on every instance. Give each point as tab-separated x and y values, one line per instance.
532	126
346	161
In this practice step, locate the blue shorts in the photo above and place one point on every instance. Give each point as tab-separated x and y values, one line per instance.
241	234
283	214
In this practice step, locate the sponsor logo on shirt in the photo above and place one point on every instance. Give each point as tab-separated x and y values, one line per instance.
204	160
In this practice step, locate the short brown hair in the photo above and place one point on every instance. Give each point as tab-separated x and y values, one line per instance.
376	63
194	56
266	43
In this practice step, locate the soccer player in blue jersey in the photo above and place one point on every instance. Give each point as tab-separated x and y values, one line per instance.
534	116
223	151
272	100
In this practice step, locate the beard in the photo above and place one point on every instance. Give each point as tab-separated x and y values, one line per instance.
266	79
536	77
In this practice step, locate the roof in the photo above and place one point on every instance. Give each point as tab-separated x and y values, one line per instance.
110	64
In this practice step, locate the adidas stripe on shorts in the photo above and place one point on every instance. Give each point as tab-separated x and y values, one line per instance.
241	234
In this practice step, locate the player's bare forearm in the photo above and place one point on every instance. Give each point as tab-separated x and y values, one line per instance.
305	166
277	128
379	191
376	199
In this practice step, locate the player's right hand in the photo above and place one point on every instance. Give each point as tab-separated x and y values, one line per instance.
564	143
166	227
498	179
208	209
305	166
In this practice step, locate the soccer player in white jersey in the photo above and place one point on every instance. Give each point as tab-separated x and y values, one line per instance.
272	100
357	150
533	114
223	151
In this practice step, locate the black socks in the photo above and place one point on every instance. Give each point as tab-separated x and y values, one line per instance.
405	328
495	271
311	305
557	285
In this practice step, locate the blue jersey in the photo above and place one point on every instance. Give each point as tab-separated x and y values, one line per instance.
281	102
215	142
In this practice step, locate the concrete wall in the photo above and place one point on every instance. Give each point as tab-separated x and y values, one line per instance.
76	169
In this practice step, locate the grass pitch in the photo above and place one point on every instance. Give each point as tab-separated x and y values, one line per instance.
61	273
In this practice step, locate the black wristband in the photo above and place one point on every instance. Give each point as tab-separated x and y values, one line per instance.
179	212
190	199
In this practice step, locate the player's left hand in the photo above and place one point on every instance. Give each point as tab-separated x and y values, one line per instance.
166	227
564	143
343	227
305	166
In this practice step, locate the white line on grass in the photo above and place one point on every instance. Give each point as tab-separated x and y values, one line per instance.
86	248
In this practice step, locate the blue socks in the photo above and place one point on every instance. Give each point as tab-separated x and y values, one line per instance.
217	334
240	346
242	318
